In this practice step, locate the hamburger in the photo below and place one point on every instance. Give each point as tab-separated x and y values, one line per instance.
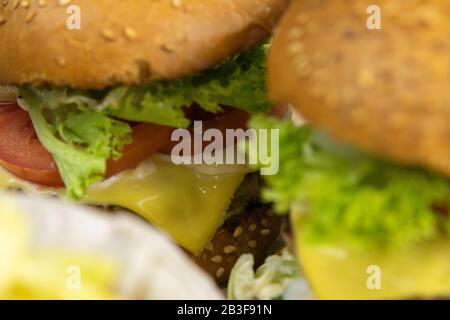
87	113
366	180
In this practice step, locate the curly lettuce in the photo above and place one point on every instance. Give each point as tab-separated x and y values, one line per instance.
80	140
270	281
82	129
345	195
239	82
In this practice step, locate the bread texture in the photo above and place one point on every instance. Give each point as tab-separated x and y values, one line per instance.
385	90
125	41
255	231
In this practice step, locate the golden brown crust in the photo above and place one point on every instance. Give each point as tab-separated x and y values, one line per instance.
127	41
252	232
385	90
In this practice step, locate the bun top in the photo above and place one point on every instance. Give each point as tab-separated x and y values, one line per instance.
125	41
385	90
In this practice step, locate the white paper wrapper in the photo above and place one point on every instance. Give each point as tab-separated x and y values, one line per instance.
151	267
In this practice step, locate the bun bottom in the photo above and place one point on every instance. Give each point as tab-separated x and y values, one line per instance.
255	231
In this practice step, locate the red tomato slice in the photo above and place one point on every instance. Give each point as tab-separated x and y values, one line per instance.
148	139
229	119
22	153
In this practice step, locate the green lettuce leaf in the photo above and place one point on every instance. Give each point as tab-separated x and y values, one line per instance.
270	280
82	128
80	140
293	144
239	82
349	196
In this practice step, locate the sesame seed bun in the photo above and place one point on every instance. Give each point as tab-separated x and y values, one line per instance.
383	90
127	41
254	231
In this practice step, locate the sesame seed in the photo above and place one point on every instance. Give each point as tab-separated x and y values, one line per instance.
60	61
229	249
15	4
176	3
252	244
295	33
42	3
265	222
168	47
252	227
265	232
217	259
25	3
220	272
5	2
30	16
237	232
64	2
129	33
108	34
302	19
209	247
295	48
180	36
302	66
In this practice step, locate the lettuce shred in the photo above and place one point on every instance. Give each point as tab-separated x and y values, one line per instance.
239	82
80	140
345	195
270	281
82	129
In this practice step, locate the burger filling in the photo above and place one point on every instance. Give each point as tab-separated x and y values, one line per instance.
354	214
107	147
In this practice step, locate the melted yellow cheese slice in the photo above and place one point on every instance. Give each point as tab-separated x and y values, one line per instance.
187	202
339	272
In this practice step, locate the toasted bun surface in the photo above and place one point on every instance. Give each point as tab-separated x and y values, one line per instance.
385	90
255	232
126	41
